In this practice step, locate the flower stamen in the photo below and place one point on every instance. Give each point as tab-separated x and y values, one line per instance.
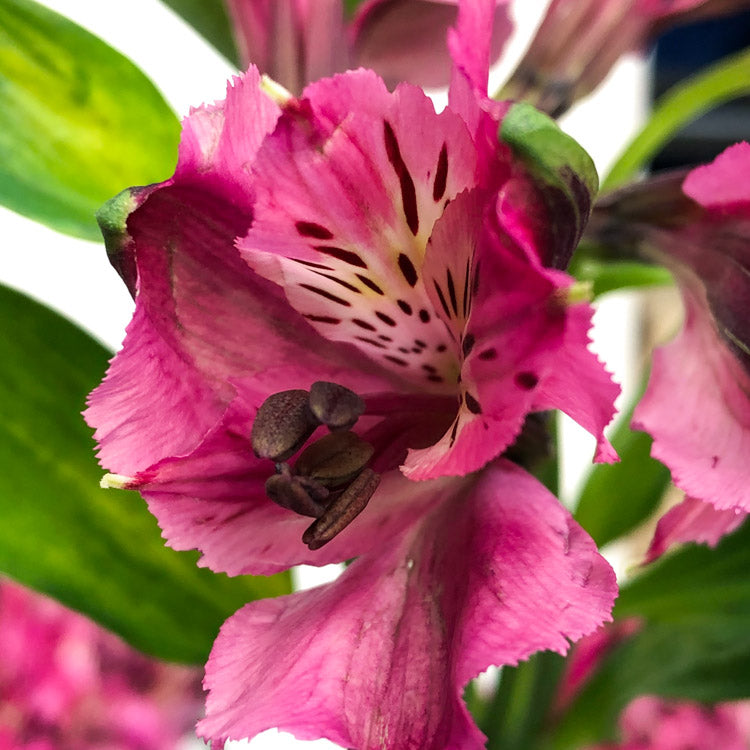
343	510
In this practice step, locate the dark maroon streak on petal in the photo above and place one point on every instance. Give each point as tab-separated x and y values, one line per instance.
408	270
311	229
408	191
441	175
343	255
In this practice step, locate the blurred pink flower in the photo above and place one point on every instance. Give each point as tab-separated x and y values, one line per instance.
697	404
298	41
652	723
67	684
579	41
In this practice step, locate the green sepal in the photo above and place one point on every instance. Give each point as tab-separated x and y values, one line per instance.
560	170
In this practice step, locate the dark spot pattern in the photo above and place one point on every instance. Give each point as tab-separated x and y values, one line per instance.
310	264
468	344
424	316
451	290
346	256
327	295
370	284
387	319
340	282
397	361
527	381
472	404
408	191
405	306
407	269
365	340
475	285
364	324
488	354
323	319
311	229
467	296
441	175
441	297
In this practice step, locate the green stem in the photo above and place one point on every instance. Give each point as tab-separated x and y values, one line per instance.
728	79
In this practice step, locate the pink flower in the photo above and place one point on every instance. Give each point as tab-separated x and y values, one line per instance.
696	406
298	41
579	41
66	683
355	260
652	723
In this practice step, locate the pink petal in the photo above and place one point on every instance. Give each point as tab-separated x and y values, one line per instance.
696	408
349	187
519	346
721	184
218	141
579	385
202	316
213	498
378	659
654	723
405	40
293	41
692	521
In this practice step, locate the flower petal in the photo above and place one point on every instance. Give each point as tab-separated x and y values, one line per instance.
202	316
214	499
292	41
520	347
692	521
405	40
579	385
378	659
696	408
349	187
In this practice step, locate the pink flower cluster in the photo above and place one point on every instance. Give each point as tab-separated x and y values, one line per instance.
66	684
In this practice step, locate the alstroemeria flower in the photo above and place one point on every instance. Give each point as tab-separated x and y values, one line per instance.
652	723
697	405
298	41
355	260
579	41
67	683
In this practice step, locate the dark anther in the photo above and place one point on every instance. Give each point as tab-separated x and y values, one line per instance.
296	493
282	424
343	510
335	406
335	459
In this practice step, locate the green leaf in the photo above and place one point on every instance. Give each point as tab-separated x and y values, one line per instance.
97	551
728	79
609	276
694	642
618	497
210	19
516	717
78	121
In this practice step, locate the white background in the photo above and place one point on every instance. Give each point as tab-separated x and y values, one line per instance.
74	277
